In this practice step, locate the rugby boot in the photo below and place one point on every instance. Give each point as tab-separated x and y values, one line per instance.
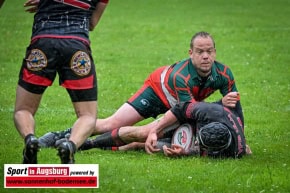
49	139
30	150
66	151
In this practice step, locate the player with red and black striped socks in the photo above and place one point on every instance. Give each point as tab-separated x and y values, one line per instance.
107	141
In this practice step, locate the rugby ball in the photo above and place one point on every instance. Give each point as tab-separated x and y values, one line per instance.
183	136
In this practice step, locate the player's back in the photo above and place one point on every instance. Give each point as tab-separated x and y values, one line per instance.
57	19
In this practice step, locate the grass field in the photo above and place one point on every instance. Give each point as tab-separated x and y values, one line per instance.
133	38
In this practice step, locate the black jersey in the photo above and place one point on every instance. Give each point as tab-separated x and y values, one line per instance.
57	18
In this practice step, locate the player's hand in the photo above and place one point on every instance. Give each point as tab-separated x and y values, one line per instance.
174	151
31	5
231	99
151	143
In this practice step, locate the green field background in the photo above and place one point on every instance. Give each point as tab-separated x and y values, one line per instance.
133	38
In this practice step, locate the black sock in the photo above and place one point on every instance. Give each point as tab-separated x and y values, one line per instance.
27	137
109	139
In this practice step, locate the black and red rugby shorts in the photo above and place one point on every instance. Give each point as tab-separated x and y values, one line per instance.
71	59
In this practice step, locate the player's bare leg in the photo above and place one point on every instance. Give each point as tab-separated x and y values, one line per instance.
140	133
25	124
81	130
125	135
130	134
126	115
85	124
119	137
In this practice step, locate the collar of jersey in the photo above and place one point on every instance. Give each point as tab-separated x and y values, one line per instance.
194	74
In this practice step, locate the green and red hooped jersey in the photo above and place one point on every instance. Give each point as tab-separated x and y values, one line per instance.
181	83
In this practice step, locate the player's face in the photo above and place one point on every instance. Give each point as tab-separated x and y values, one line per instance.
203	55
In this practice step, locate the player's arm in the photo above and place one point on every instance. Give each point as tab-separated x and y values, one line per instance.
227	87
231	96
175	114
151	142
181	113
232	100
97	13
229	90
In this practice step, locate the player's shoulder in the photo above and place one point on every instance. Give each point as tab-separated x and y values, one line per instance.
221	68
220	65
180	68
180	63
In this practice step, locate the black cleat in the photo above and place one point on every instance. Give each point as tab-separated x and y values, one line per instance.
66	151
49	139
30	150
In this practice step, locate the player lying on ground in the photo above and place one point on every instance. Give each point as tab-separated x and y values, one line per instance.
193	79
218	131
